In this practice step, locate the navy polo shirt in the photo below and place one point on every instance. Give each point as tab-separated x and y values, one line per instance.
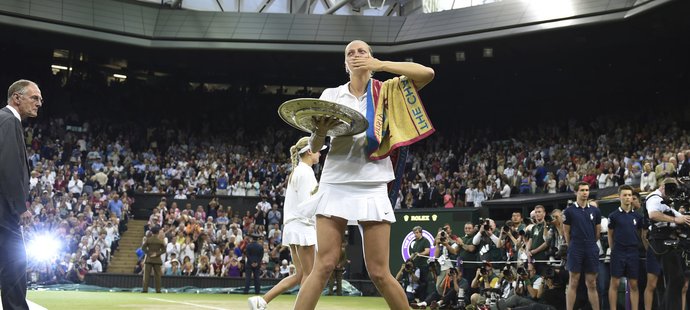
625	226
582	221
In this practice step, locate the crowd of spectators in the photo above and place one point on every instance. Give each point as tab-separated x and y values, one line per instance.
210	241
473	167
76	225
240	149
440	173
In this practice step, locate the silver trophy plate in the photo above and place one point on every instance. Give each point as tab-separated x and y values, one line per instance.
300	113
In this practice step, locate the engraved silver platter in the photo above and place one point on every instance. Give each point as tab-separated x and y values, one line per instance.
300	113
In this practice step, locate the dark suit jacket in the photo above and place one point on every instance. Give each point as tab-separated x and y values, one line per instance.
684	168
14	168
255	253
436	198
153	245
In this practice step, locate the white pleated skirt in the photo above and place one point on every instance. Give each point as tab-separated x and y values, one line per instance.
299	233
352	201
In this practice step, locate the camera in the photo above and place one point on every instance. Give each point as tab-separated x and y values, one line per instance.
559	252
452	271
562	251
486	223
676	237
549	273
409	266
443	235
507	272
557	275
522	271
677	196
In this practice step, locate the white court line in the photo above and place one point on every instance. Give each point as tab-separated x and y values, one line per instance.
32	306
187	303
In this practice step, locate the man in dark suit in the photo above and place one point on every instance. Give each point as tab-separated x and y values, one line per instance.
684	163
153	247
254	254
435	195
23	101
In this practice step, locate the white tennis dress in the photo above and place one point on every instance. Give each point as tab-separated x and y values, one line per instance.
352	186
299	226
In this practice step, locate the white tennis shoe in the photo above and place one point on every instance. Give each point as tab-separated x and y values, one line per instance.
257	303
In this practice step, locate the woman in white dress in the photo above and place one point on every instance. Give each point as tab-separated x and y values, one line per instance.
298	230
353	187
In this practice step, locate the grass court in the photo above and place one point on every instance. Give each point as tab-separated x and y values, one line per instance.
73	300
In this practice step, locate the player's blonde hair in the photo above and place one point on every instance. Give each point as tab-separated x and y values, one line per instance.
295	155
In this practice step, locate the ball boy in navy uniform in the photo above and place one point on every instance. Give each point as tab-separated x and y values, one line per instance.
625	226
581	226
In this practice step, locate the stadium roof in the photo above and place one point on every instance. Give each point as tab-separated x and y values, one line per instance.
141	24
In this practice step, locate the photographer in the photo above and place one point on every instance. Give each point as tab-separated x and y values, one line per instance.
665	220
527	290
529	282
551	292
517	221
510	241
503	290
78	270
519	226
446	251
485	278
507	282
557	246
452	291
487	242
459	294
408	275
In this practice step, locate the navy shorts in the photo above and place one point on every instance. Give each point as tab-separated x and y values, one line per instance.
625	263
653	266
583	260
